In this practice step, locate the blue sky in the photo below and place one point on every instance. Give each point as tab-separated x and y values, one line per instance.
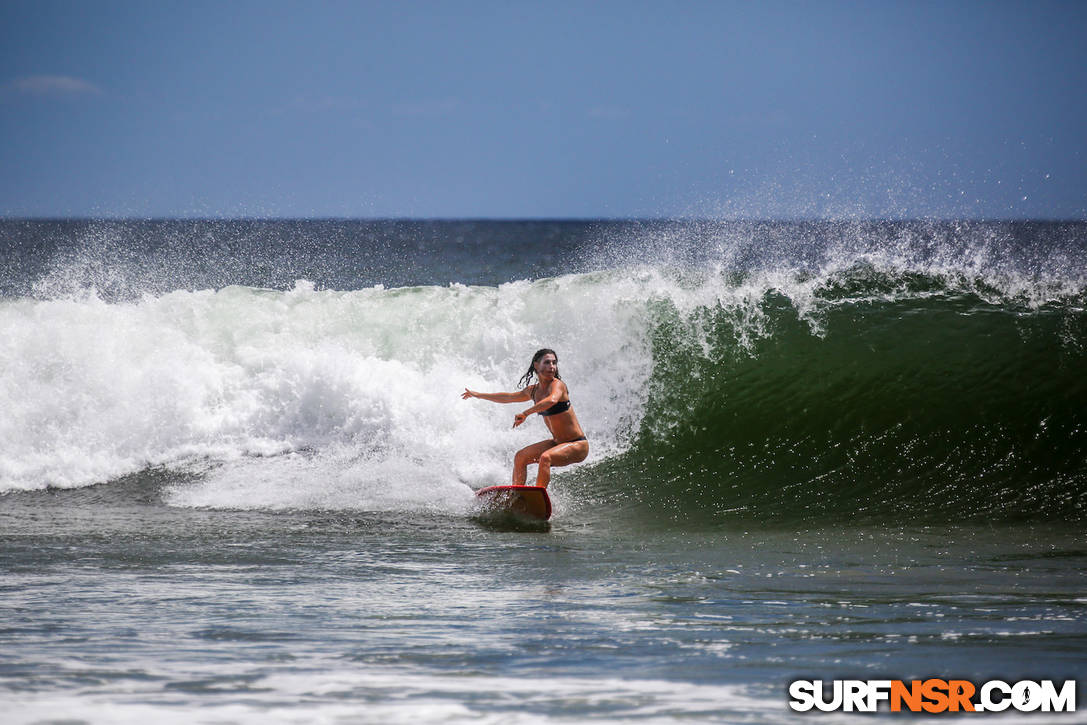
593	109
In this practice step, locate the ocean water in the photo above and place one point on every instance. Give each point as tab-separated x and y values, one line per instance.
236	479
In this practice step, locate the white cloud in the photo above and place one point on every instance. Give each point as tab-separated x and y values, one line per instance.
53	86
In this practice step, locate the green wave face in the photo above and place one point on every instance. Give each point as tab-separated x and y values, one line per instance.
935	405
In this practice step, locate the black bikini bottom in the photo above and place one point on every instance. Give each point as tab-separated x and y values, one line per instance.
572	440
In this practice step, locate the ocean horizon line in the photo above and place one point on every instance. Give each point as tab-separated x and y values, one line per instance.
558	219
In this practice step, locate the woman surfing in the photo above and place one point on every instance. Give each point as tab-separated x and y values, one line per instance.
551	400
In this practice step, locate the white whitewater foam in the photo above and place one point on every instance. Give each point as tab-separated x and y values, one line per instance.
307	398
375	695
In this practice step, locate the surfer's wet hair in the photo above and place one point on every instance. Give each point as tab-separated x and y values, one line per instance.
527	377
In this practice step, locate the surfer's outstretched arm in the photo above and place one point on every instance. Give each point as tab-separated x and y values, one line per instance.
518	397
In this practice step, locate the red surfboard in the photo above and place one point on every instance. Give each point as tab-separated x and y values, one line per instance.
528	501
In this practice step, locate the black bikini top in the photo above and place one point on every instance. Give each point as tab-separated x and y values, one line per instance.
560	407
